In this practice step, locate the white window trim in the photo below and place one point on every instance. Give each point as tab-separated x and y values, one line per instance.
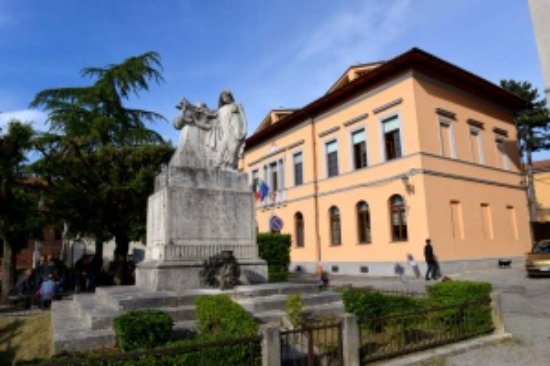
450	123
382	147
503	154
257	170
292	154
481	151
325	167
350	146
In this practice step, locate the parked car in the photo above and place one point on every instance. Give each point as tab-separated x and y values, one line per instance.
537	262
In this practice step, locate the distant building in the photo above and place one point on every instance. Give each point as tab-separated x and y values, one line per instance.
541	172
540	16
395	152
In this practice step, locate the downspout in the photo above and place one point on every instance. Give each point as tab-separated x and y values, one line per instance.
315	190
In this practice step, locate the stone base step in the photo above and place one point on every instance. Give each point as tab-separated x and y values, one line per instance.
276	316
274	302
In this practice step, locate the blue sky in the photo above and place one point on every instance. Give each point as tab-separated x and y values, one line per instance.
271	54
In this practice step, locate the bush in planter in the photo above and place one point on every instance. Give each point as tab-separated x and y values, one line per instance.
142	329
220	318
275	250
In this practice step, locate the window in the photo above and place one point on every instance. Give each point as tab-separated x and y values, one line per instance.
398	218
446	138
299	229
359	149
392	138
487	221
476	150
298	169
363	222
456	220
274	177
335	234
331	149
255	180
502	153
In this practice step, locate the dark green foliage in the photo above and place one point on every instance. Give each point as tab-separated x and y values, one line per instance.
453	292
100	157
460	292
275	250
221	318
20	217
294	308
142	329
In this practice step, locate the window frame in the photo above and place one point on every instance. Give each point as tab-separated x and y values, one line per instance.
335	219
383	151
352	161
452	141
479	133
326	157
299	227
401	211
294	154
363	216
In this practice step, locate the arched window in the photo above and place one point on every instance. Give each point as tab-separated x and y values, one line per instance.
335	234
398	218
363	222
299	229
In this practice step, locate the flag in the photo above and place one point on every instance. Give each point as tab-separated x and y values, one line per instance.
257	191
264	190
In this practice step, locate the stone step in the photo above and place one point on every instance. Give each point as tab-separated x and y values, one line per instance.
94	314
70	332
269	289
278	302
276	316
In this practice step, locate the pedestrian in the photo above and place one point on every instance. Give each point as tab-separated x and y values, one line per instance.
432	273
413	265
400	271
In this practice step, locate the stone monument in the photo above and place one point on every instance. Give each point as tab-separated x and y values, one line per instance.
202	205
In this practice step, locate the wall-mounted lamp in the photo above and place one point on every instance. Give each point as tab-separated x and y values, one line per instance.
409	187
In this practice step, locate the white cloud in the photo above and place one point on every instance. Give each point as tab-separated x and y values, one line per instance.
34	117
311	63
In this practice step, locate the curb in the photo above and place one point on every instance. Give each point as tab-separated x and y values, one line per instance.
448	350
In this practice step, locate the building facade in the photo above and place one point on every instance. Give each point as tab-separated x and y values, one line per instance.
394	153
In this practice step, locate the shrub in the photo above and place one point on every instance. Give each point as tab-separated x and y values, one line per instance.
453	292
294	308
275	250
142	329
221	318
476	318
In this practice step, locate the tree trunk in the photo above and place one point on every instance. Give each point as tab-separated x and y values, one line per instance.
8	269
121	276
99	247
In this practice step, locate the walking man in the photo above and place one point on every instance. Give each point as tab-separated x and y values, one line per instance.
432	271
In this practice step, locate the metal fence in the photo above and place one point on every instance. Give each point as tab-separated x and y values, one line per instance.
233	352
310	345
390	336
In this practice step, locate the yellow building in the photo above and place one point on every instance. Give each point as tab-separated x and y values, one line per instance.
394	153
541	172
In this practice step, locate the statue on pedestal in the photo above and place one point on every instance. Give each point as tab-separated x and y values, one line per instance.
210	138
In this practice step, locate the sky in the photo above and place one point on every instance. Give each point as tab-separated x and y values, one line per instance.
270	54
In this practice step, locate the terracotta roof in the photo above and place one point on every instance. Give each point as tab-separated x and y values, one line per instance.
415	59
541	165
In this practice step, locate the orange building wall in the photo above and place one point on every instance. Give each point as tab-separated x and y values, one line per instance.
433	181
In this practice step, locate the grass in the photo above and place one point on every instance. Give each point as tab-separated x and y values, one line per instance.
25	338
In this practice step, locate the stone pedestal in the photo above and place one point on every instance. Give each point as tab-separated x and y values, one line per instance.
193	215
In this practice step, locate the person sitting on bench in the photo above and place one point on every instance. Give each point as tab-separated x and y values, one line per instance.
47	292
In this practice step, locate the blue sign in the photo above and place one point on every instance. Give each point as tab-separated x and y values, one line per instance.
276	223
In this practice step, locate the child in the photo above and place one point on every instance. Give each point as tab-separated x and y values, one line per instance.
413	265
400	270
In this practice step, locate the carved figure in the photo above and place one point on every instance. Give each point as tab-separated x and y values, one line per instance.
210	138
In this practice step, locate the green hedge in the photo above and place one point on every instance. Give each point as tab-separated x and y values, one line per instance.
221	318
275	250
142	329
369	304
